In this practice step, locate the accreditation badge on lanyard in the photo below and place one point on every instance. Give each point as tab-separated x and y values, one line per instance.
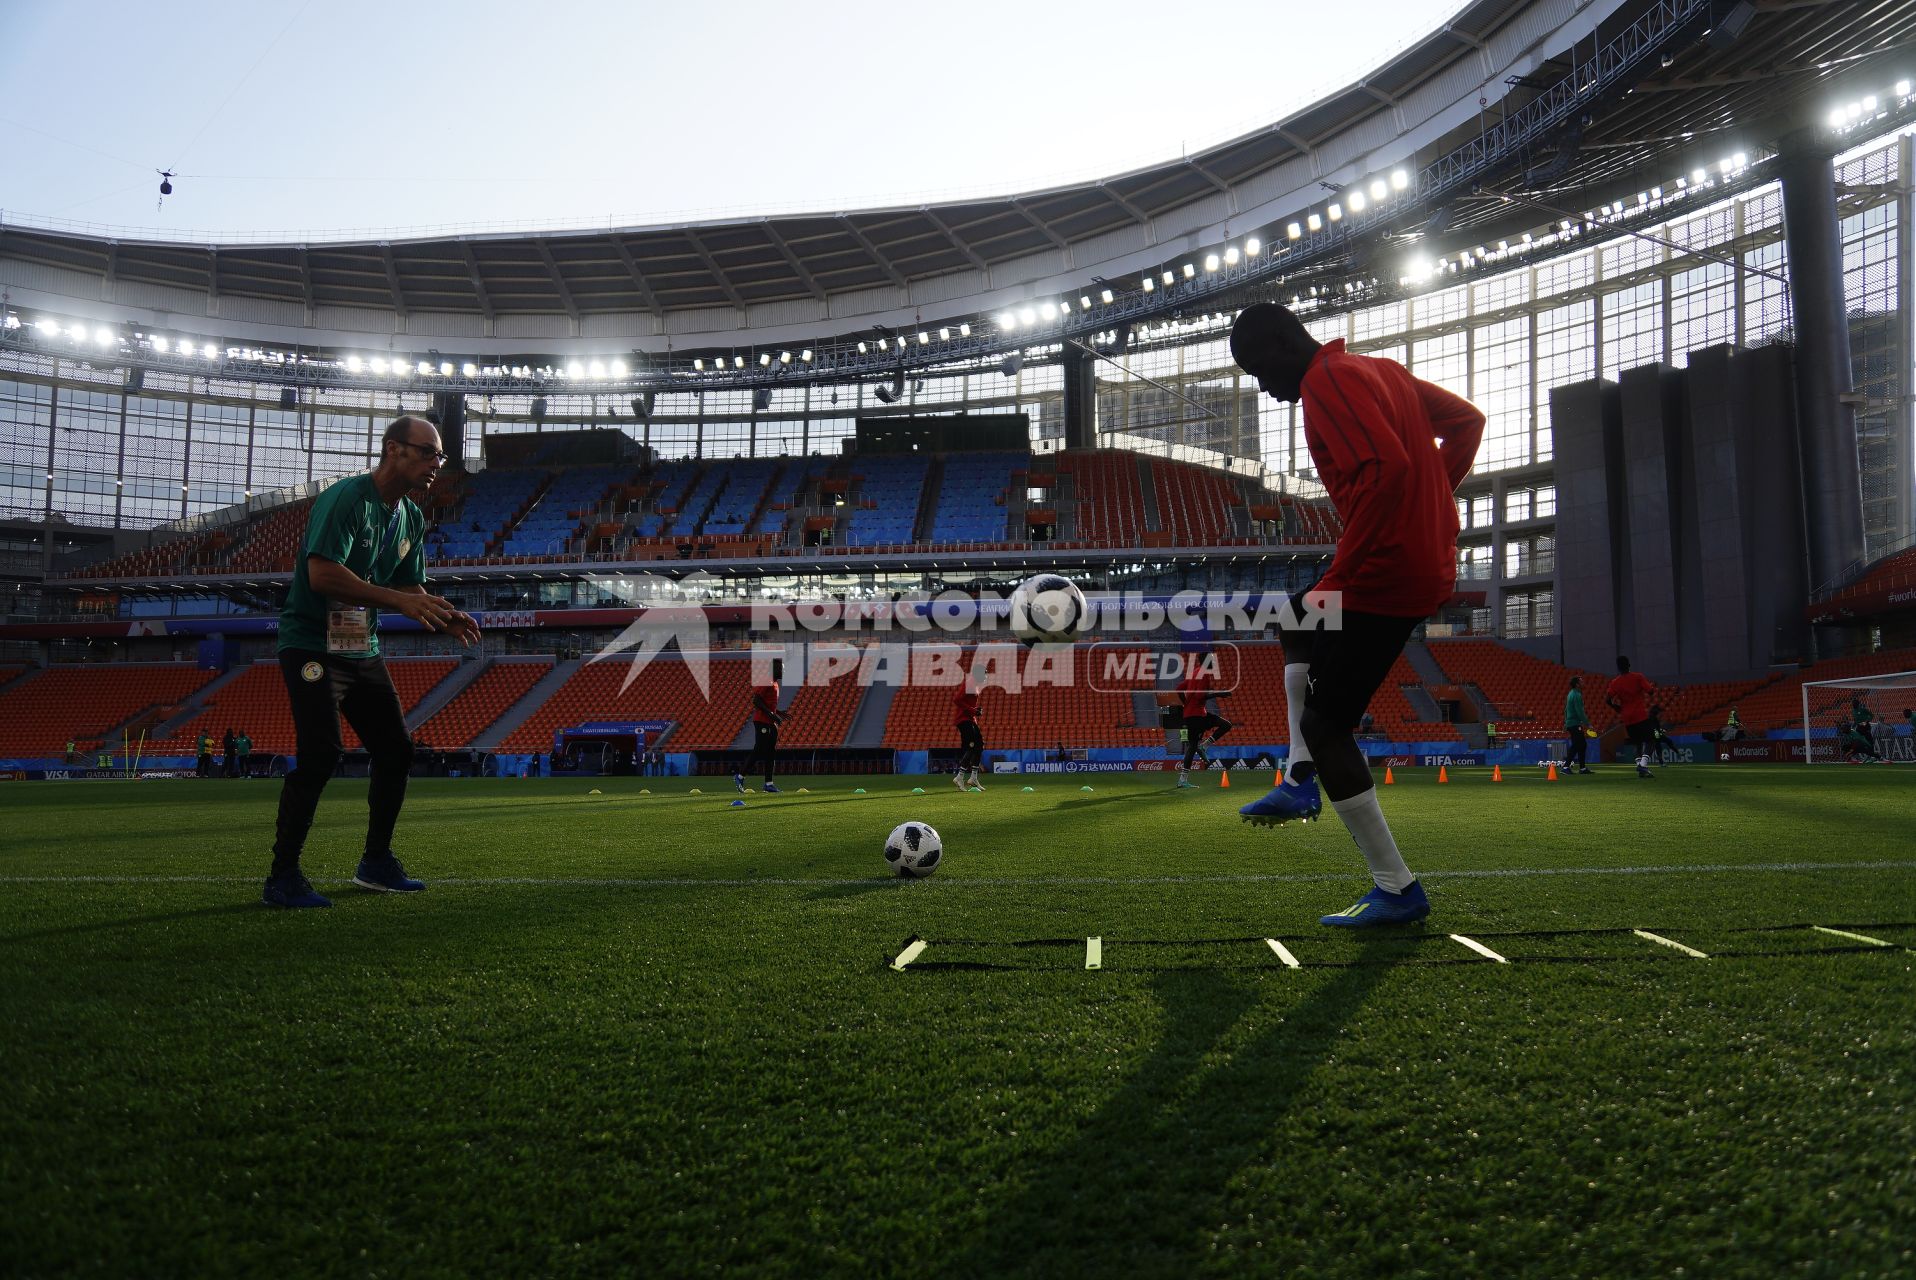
350	630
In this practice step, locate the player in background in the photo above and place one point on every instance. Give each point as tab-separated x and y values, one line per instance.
766	718
1660	739
971	742
1391	450
1576	726
1197	691
1629	696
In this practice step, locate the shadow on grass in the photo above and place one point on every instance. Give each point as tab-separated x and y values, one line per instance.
134	922
1135	1191
1086	802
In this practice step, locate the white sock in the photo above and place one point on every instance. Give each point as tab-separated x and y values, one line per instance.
1297	683
1364	819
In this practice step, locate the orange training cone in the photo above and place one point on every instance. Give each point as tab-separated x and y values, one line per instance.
1496	773
1388	779
1553	772
1224	779
1443	773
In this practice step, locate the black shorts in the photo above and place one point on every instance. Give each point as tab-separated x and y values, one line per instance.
1198	726
1641	734
1348	666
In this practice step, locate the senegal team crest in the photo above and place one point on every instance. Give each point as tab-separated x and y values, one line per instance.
311	672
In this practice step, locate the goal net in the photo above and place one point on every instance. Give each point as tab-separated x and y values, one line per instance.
1861	719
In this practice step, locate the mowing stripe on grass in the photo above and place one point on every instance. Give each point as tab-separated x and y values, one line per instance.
1283	953
913	949
1670	942
1478	947
680	882
1094	953
1860	937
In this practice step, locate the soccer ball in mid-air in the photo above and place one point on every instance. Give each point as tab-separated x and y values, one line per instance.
913	850
1048	609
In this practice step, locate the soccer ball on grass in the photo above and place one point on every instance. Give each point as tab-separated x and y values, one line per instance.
913	850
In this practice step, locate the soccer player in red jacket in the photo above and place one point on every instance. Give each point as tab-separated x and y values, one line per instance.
1195	692
1391	450
766	717
971	742
1629	696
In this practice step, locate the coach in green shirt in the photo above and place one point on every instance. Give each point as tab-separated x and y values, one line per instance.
361	553
1576	723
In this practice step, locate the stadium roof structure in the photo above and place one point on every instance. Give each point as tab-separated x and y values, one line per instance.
1513	113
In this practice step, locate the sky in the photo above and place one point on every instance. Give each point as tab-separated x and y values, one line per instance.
281	117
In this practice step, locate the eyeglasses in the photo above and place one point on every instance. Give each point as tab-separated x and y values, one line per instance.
426	449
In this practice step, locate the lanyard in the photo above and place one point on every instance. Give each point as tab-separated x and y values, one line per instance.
392	531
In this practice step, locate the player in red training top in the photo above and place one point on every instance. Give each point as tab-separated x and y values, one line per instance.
971	743
1629	696
1195	692
766	718
1391	450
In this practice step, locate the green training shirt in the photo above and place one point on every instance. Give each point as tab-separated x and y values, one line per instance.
1573	714
351	525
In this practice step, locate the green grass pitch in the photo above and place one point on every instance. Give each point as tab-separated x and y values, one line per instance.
657	1035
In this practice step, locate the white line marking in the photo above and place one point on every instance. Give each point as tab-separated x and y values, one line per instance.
910	954
1668	942
1478	947
1860	937
1094	953
1283	953
715	882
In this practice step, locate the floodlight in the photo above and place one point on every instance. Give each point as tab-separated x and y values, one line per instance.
103	336
1085	302
619	369
784	357
445	368
1294	231
764	358
469	369
1026	316
1189	271
160	344
210	351
1148	285
1210	262
924	339
964	330
1902	88
1377	189
1314	222
1356	199
379	364
1106	296
1335	212
806	355
1399	180
698	365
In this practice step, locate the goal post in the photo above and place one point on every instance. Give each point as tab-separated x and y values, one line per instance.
1885	732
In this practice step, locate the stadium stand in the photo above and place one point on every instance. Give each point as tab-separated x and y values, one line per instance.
1194	503
84	702
664	690
821	714
270	543
972	496
1779	704
493	503
255	700
1527	693
1039	715
747	484
886	496
1109	493
480	704
1895	572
